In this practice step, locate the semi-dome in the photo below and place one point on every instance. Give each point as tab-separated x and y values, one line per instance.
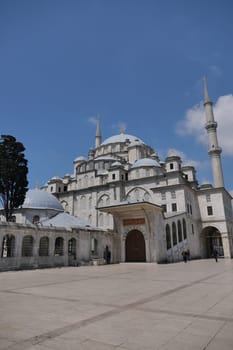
145	162
39	199
116	164
122	138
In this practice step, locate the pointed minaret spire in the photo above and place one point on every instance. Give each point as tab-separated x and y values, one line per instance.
98	133
214	149
206	94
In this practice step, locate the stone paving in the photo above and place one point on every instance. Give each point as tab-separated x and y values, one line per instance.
119	307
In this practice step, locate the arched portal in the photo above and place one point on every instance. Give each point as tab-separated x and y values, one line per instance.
211	239
135	250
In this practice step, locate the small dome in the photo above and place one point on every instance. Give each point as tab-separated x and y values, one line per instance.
56	178
39	199
173	153
122	138
79	159
145	162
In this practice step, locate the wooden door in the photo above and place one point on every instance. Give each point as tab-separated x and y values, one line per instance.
135	247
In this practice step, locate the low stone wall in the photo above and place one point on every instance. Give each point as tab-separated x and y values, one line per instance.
32	246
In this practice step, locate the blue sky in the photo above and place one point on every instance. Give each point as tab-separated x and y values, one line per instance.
136	62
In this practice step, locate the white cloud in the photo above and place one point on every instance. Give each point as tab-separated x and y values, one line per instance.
194	120
93	120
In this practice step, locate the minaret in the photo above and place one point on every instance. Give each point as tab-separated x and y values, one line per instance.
98	133
214	149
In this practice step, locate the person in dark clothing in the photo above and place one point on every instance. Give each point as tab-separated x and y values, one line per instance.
215	254
108	257
184	254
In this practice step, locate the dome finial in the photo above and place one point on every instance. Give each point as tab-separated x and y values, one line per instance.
37	186
122	128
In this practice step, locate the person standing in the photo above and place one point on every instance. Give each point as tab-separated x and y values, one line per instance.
184	254
215	255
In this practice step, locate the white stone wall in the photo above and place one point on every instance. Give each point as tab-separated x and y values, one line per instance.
83	252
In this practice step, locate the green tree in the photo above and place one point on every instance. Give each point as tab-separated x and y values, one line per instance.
13	174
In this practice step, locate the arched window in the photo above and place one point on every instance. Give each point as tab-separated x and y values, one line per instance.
184	229
94	246
101	220
168	236
85	180
59	246
174	236
44	246
101	202
72	247
8	246
179	231
36	219
92	181
27	246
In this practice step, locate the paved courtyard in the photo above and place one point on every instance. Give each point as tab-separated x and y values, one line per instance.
121	307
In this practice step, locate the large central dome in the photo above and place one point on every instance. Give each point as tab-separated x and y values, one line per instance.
122	138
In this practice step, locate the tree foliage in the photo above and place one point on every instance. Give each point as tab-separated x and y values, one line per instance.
13	174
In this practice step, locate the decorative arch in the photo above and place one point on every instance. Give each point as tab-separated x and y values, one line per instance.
135	249
138	194
211	239
103	200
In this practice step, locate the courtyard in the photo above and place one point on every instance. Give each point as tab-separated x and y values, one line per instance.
131	306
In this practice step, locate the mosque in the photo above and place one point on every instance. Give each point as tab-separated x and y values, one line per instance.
125	199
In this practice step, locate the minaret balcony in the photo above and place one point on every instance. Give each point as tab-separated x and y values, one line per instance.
215	150
211	125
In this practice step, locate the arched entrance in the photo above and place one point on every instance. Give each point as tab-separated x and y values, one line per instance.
135	250
211	239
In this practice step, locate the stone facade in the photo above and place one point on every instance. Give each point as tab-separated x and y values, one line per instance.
31	246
